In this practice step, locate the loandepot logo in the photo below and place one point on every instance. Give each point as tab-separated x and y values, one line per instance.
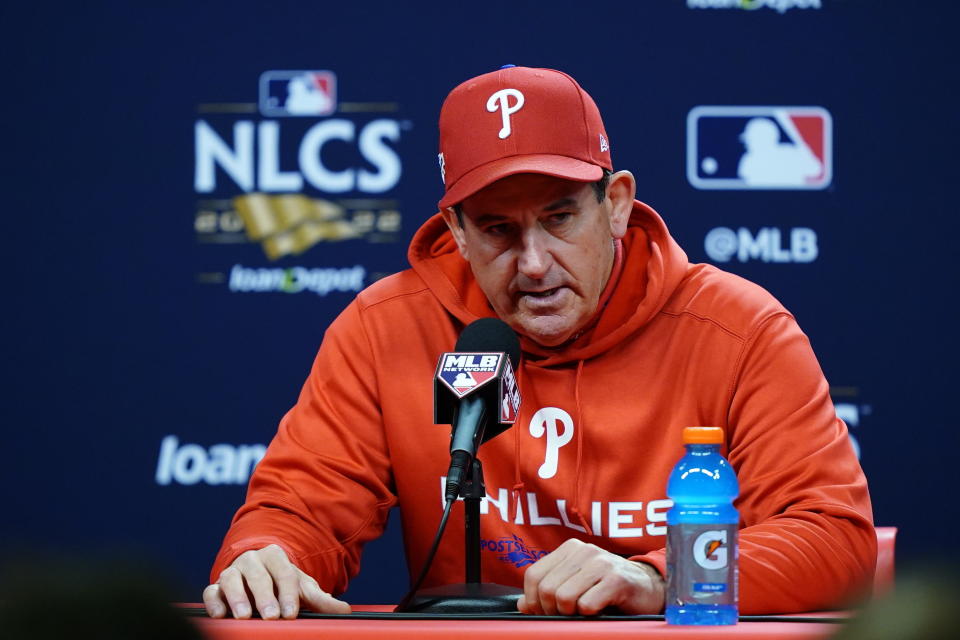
296	279
780	6
190	463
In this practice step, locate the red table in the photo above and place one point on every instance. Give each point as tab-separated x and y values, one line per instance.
525	629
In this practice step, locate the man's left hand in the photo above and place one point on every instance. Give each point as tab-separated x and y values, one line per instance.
582	578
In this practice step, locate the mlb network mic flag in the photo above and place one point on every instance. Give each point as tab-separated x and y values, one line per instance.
466	374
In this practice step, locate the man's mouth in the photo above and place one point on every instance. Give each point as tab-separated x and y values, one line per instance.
544	300
546	293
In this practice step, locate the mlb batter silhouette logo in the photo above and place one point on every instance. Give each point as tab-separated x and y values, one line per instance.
298	93
759	147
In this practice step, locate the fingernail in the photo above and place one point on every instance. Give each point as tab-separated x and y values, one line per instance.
243	611
270	611
216	611
288	611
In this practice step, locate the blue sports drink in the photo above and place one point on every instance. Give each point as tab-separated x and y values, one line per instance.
702	533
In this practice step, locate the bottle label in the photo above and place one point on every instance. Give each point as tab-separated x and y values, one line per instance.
702	564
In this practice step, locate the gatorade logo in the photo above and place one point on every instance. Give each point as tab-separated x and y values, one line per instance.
710	549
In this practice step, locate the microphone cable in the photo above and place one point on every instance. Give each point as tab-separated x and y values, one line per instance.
429	561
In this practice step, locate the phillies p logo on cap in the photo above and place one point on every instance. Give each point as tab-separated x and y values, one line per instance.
519	120
500	100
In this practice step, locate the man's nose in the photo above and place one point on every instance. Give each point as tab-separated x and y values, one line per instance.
535	259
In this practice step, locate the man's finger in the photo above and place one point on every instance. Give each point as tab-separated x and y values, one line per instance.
544	565
286	578
234	592
532	577
556	583
569	594
529	602
213	601
538	571
318	599
522	604
630	587
594	598
261	585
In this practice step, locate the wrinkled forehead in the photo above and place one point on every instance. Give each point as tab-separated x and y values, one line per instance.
527	191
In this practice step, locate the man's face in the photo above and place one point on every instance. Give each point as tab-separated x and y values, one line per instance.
541	249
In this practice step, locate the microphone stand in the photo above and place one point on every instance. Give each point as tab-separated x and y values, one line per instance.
473	596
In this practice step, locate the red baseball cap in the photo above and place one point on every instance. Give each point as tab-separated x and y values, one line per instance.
519	120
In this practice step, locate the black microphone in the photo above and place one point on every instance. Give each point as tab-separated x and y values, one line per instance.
476	388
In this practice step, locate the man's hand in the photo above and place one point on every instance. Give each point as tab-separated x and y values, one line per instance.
276	584
582	578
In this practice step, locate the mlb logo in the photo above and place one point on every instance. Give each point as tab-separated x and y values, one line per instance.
298	93
463	373
462	382
788	148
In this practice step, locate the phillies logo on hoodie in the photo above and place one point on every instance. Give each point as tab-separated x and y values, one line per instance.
557	425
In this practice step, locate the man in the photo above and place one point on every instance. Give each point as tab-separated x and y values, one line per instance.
624	344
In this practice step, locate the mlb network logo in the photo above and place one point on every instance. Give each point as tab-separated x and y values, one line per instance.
298	93
463	373
759	147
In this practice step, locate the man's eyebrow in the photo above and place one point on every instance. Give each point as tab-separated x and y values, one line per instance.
486	218
563	203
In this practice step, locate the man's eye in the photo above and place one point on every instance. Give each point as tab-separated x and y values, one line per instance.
558	218
497	229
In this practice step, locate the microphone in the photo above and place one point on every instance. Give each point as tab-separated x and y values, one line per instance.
476	392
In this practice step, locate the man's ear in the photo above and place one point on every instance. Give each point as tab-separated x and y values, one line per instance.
453	223
621	191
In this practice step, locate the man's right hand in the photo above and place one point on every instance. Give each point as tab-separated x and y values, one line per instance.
276	584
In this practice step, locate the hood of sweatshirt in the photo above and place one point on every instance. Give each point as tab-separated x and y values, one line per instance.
653	264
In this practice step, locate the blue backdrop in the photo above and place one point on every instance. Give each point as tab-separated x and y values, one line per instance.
164	299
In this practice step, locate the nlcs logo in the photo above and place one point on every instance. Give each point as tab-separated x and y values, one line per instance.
759	147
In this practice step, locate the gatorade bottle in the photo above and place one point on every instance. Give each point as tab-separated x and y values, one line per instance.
702	533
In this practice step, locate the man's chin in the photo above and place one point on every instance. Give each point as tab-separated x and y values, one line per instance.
546	332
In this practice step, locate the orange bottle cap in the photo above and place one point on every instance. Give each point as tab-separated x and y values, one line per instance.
703	435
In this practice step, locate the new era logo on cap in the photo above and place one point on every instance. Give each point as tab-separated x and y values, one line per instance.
519	120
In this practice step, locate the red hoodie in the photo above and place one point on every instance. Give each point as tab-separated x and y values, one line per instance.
675	345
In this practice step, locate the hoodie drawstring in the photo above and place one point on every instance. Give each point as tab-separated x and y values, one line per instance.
576	478
517	479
